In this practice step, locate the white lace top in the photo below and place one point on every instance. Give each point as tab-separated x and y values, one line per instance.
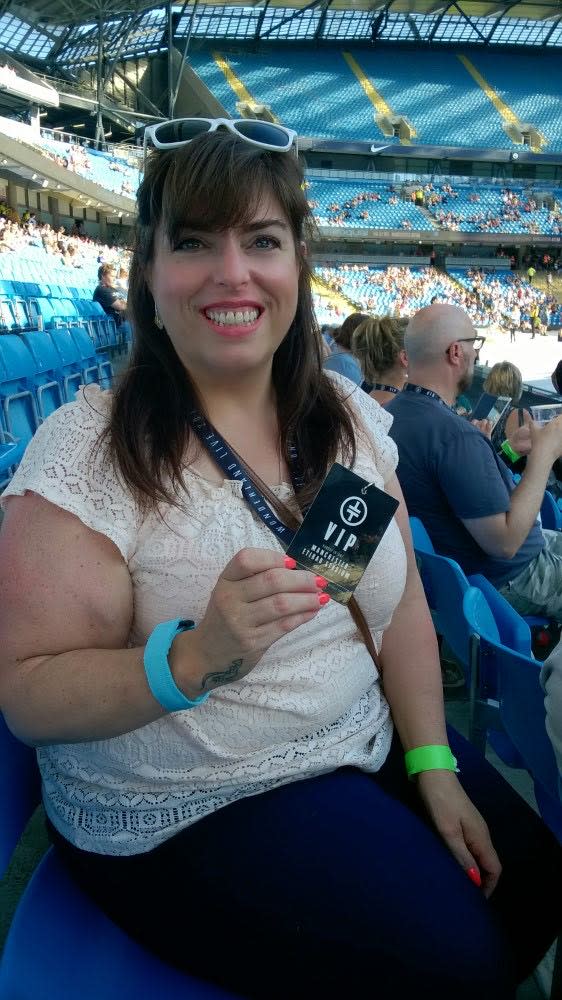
312	704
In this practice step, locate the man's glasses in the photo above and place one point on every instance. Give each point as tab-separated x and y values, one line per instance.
179	131
478	342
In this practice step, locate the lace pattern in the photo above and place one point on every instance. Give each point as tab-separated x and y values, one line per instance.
312	704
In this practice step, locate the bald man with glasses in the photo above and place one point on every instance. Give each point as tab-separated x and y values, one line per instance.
455	482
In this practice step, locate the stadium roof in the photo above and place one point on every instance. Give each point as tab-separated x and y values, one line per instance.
63	33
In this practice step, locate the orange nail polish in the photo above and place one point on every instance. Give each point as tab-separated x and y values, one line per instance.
323	599
474	876
320	582
290	563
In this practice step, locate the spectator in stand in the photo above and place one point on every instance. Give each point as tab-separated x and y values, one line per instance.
378	344
341	359
556	378
505	379
454	481
122	280
110	298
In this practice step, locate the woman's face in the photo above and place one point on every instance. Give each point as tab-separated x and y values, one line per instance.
227	299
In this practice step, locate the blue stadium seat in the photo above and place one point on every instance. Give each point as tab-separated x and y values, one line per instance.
96	367
77	951
519	704
20	416
71	361
48	378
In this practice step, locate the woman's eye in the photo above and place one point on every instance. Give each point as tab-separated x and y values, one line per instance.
189	243
266	243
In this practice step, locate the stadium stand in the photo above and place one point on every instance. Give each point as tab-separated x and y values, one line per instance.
475	128
445	96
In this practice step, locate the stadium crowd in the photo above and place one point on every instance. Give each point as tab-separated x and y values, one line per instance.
489	299
73	249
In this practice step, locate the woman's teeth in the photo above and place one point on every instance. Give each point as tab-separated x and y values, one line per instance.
230	318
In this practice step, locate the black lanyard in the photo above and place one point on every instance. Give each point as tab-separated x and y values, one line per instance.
227	461
381	387
421	391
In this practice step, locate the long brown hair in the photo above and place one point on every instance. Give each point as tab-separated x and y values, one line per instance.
214	183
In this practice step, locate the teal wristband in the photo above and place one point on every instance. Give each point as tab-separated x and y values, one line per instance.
430	758
157	668
513	455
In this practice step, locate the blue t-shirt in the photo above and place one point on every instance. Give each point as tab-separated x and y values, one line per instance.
448	470
345	364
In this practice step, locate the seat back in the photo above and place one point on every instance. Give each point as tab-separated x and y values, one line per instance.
20	791
551	515
513	630
521	705
422	541
66	346
445	585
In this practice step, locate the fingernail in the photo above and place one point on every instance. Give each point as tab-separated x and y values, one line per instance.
320	581
474	876
290	563
323	599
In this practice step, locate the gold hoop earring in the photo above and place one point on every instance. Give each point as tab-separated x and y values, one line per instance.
158	319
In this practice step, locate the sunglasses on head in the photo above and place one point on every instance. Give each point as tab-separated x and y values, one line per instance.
179	131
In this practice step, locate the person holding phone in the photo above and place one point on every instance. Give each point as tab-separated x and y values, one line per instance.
222	770
455	482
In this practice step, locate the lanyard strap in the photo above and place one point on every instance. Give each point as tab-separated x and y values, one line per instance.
382	387
421	391
225	458
233	469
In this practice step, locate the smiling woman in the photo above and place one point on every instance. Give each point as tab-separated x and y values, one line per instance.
209	723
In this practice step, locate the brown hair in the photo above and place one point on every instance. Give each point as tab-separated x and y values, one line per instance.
377	343
214	183
344	333
504	379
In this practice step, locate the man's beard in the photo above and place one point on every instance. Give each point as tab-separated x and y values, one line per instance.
465	382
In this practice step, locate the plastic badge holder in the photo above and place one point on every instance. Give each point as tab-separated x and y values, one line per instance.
546	412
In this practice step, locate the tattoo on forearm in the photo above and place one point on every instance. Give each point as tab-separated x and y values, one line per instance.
217	677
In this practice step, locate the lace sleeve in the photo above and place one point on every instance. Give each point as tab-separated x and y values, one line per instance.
373	422
65	464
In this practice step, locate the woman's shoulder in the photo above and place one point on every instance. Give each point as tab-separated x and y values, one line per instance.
372	424
67	463
360	402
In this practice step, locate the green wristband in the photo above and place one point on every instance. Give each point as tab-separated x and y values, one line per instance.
430	758
509	451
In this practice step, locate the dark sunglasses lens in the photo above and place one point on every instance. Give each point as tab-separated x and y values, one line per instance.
263	132
180	131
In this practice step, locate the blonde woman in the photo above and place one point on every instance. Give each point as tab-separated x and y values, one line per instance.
378	344
505	379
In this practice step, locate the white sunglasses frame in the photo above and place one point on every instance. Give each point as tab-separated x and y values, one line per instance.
215	123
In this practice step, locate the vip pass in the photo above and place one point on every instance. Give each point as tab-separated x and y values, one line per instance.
341	530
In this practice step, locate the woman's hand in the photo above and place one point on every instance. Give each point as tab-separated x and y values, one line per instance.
461	826
256	601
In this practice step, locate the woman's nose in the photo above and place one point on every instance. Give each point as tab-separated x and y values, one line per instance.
232	264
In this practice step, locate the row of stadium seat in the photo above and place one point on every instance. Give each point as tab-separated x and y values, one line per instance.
433	90
39	371
34	306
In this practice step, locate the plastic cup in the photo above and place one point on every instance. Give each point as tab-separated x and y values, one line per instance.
543	414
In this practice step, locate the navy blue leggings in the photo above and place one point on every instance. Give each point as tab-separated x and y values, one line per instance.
338	886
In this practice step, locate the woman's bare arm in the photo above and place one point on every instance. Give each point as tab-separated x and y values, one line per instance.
66	606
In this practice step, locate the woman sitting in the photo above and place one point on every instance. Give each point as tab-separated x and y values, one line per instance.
222	770
378	344
341	359
505	379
